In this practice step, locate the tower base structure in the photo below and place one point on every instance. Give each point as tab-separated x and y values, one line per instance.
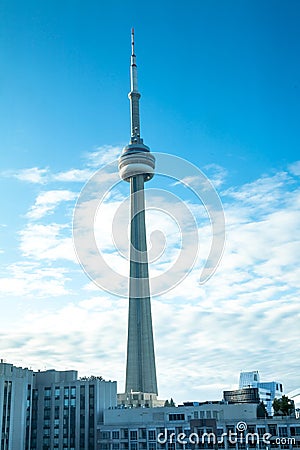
139	400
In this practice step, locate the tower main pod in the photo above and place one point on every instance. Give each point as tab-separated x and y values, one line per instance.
136	166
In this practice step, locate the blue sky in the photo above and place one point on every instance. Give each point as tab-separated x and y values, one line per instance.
220	88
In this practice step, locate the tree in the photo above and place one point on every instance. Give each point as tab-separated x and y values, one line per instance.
261	411
283	406
169	403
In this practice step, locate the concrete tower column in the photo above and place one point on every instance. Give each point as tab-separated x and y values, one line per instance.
136	166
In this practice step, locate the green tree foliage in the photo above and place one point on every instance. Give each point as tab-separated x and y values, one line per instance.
169	403
261	411
283	406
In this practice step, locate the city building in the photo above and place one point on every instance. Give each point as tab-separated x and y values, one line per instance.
267	390
209	425
245	395
51	409
68	409
295	396
16	393
249	379
136	166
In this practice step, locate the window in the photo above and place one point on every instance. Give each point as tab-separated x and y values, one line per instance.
273	429
295	431
261	431
151	435
133	435
47	392
115	434
282	431
124	433
104	435
142	433
173	417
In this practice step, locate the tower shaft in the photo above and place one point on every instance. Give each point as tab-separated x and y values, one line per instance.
140	369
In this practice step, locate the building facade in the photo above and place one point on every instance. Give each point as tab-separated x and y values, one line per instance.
51	409
208	426
16	395
268	391
69	409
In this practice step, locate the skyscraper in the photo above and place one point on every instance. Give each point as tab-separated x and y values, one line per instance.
136	166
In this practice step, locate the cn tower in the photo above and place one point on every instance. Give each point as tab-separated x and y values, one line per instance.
136	166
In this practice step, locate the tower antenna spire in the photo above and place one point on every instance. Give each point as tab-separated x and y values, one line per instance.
132	41
134	97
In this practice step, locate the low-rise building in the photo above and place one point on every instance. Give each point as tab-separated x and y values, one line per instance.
202	426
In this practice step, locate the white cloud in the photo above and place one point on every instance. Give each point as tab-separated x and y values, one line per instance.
32	175
47	242
32	279
47	201
76	175
216	173
103	155
44	176
245	317
295	168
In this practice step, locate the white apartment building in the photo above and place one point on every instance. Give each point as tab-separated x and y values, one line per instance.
51	409
16	391
68	409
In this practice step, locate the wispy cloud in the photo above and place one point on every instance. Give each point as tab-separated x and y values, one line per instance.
73	175
92	160
216	173
31	175
47	201
295	168
47	242
32	279
247	313
103	155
